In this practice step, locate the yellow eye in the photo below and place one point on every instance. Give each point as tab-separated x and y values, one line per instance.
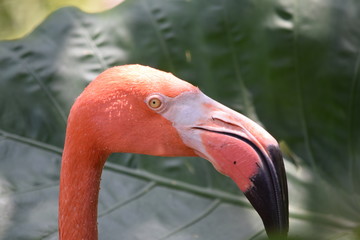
154	102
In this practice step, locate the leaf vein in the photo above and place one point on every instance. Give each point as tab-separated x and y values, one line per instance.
90	41
164	47
257	235
196	219
44	88
244	94
182	186
135	196
33	189
31	142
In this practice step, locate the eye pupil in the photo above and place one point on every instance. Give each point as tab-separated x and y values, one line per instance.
155	103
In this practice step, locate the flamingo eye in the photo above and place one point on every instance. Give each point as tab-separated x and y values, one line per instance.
155	102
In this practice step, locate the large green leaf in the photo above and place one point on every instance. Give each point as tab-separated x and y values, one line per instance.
291	65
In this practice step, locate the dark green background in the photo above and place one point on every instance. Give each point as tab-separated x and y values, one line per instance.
291	65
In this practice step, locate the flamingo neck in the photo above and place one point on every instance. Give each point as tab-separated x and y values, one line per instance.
81	169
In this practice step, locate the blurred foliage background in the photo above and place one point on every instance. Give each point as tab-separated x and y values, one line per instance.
18	17
291	65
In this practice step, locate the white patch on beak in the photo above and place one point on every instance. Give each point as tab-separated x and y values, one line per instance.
185	112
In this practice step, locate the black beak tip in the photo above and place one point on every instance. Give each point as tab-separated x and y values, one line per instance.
269	195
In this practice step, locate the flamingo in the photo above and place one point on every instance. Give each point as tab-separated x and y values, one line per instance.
139	109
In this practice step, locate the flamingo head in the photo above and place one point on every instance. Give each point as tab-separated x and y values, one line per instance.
139	109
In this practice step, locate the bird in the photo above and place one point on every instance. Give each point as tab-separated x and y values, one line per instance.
139	109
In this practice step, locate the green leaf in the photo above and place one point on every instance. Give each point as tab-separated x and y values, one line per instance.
291	65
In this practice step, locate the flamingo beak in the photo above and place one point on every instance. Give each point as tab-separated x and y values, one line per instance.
240	149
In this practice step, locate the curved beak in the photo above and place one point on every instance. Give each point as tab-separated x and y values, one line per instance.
238	148
250	157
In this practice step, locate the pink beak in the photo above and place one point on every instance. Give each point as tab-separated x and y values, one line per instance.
238	148
255	164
